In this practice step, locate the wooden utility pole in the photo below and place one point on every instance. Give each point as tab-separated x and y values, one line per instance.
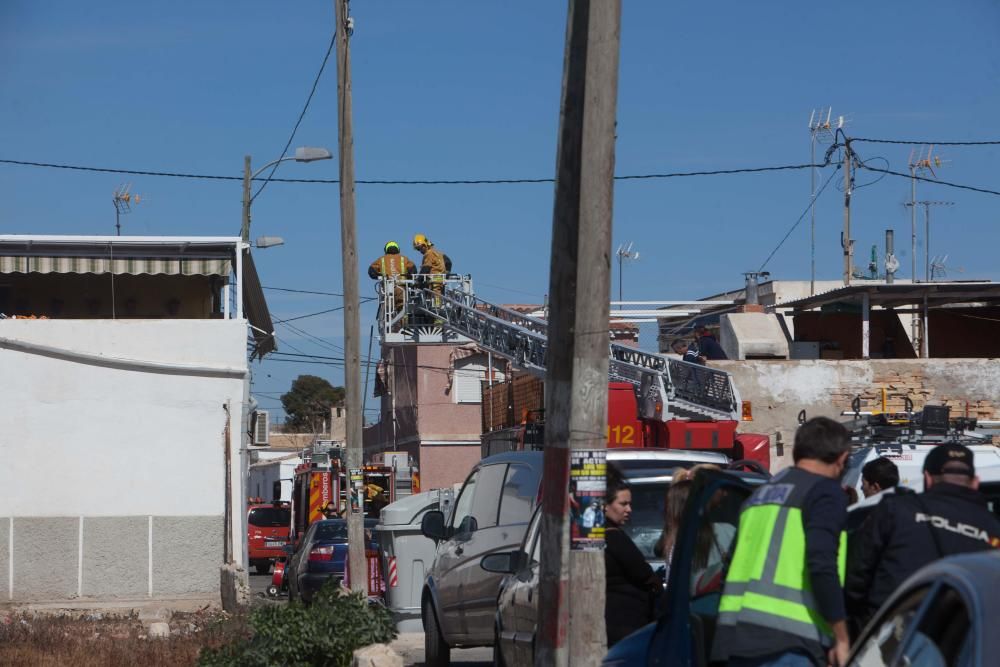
846	240
245	226
352	322
571	595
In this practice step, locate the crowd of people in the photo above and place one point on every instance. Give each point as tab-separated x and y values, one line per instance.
802	575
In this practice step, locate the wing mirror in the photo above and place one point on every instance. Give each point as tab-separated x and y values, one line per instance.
432	525
505	562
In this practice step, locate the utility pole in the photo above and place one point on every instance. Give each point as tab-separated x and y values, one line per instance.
352	321
845	240
572	589
245	228
821	127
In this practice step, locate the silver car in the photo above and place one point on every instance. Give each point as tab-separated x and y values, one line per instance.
490	515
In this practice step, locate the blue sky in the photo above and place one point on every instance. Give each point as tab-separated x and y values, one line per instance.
471	90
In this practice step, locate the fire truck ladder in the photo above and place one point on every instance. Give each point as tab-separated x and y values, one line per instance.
667	388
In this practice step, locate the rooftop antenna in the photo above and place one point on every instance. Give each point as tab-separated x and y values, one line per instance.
123	200
927	232
921	162
940	268
624	252
822	128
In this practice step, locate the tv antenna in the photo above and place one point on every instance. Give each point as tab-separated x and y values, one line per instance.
123	200
822	128
624	252
921	162
927	232
939	267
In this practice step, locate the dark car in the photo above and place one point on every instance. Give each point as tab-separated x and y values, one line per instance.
942	615
490	515
320	556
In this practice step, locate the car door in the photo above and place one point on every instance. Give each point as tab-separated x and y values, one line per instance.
296	563
446	572
704	546
482	536
524	596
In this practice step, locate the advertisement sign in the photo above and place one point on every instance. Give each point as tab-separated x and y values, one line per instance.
587	486
357	489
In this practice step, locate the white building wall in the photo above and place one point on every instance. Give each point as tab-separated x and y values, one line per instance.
119	430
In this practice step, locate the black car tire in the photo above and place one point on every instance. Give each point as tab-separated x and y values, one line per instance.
437	653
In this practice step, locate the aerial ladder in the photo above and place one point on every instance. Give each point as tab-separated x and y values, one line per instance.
666	388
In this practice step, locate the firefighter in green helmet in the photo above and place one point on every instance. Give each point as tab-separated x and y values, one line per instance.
392	266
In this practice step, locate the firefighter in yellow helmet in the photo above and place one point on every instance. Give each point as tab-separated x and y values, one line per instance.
436	265
393	265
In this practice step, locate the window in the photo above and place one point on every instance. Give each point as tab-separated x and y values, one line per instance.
716	540
486	503
462	516
470	373
519	492
270	517
944	633
879	647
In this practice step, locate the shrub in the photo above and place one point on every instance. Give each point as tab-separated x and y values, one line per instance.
325	633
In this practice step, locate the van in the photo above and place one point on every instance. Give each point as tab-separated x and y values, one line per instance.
490	515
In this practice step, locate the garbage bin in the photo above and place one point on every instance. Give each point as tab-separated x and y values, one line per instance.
407	555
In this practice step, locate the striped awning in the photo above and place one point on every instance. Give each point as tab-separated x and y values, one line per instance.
170	266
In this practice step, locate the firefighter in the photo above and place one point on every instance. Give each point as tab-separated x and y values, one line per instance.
783	601
435	264
393	265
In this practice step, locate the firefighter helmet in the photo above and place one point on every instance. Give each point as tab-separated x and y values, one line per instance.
391	248
419	241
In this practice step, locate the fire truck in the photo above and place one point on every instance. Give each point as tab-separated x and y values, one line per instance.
654	400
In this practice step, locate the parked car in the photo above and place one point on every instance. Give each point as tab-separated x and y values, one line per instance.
649	473
320	556
490	515
267	533
942	615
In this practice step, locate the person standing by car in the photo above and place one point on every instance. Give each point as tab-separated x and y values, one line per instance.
906	532
631	583
782	603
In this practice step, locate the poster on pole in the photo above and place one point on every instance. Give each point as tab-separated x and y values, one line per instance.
357	487
587	485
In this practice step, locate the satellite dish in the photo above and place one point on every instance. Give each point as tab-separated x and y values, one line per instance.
891	263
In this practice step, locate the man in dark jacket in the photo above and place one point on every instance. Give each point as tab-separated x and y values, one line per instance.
709	347
906	532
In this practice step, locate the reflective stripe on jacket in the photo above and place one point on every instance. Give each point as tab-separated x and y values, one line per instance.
388	266
768	584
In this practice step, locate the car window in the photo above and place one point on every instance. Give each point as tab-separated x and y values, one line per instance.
646	524
992	492
716	540
941	634
270	517
519	491
486	501
532	538
462	514
881	643
333	530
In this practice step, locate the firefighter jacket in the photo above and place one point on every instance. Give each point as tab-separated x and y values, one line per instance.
906	532
389	266
434	262
770	602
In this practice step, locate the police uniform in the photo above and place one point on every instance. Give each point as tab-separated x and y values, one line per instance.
782	591
906	532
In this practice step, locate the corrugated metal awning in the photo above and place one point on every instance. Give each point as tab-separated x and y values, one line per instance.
255	310
171	266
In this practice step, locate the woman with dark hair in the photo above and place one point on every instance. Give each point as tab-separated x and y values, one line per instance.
631	583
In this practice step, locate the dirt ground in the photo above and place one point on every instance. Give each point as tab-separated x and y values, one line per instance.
96	639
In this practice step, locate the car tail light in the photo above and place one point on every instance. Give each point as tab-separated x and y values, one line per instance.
321	554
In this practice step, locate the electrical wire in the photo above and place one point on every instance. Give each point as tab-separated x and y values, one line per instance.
301	291
800	218
321	312
291	137
334	181
927	143
930	180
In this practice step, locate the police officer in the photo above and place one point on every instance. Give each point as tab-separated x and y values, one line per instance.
783	603
906	532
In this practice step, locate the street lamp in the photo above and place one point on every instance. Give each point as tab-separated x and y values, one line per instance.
302	154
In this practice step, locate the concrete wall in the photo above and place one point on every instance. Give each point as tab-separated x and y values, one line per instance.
113	437
778	390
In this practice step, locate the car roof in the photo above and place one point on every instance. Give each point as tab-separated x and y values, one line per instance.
652	454
909	459
531	458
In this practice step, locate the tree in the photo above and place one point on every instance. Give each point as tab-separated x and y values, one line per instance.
308	403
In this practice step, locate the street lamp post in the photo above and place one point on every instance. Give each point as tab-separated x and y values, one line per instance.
302	154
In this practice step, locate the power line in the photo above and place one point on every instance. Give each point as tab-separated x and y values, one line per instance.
808	208
291	137
302	291
927	143
929	180
321	312
333	181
